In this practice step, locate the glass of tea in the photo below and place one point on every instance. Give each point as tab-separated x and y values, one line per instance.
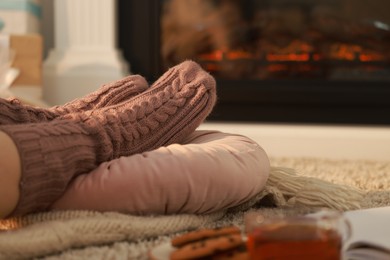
316	236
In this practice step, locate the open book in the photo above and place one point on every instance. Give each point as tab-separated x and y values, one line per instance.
370	235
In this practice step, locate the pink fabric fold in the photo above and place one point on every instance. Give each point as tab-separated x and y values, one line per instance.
209	171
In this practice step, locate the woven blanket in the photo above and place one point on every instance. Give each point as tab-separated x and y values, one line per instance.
296	185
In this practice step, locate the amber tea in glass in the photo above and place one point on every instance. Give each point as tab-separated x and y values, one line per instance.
316	237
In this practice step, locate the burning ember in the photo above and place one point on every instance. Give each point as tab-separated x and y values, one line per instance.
302	54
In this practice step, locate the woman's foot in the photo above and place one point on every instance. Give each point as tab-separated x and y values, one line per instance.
12	111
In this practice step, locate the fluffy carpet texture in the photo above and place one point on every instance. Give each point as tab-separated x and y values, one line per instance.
295	186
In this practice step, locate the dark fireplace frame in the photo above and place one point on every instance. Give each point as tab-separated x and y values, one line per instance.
271	101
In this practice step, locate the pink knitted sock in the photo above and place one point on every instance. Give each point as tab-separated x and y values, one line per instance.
53	153
13	112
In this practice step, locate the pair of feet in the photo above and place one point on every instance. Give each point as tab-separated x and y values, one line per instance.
14	112
55	145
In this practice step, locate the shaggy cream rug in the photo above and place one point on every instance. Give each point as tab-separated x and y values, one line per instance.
296	186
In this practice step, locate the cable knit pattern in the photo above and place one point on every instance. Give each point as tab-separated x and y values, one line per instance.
12	111
166	113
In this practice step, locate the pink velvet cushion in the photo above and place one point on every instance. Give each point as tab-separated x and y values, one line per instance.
208	172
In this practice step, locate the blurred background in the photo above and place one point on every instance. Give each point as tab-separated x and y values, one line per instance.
294	61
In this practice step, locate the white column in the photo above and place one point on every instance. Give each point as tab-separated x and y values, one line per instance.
85	55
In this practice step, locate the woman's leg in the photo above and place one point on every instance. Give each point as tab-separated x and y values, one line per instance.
14	112
53	153
10	174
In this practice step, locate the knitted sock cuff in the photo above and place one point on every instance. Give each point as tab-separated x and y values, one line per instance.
51	155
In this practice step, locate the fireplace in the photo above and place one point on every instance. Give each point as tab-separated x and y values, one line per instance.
279	61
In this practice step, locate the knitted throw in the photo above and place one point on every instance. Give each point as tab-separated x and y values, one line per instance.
54	232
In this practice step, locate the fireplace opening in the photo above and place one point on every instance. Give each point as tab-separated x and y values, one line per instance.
298	61
257	39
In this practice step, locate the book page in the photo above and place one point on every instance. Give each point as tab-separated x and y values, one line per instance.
370	229
365	254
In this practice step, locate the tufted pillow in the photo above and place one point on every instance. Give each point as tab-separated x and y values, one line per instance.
209	171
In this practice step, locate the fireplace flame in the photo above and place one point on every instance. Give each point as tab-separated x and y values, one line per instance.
337	52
